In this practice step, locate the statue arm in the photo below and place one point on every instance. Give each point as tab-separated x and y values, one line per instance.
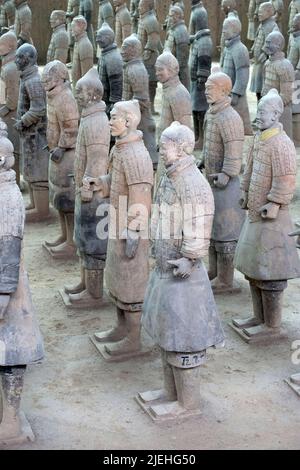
86	62
10	256
284	169
182	54
37	108
97	160
245	183
197	223
12	86
25	29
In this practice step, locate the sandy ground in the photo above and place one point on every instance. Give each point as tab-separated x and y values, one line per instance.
75	400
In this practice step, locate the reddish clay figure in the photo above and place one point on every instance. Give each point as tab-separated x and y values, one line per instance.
223	153
122	21
265	254
59	44
83	50
23	22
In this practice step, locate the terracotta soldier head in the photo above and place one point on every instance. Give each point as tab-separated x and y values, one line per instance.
228	5
266	10
175	15
26	56
217	87
7	159
8	43
78	26
105	36
166	67
176	142
274	43
146	5
131	48
296	24
118	3
89	89
269	110
231	27
54	74
125	118
57	18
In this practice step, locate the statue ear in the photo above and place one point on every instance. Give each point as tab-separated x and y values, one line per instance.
2	162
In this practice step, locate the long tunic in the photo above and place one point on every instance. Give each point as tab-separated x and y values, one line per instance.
178	42
265	251
110	69
20	338
122	24
59	45
23	23
83	58
200	67
172	313
125	278
149	35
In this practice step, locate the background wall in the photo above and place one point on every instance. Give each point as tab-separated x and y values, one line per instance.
41	10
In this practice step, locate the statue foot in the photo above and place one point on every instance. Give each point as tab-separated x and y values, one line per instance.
219	287
59	241
154	395
29	207
76	289
85	300
125	346
295	379
15	431
35	216
246	322
65	251
112	335
261	330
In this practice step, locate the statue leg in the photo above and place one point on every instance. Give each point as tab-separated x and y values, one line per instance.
258	311
196	125
213	268
12	386
93	294
131	343
224	281
152	93
188	387
30	206
62	238
40	212
68	248
114	334
199	140
76	289
17	167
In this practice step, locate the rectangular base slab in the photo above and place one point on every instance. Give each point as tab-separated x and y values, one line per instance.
123	357
258	339
70	306
295	387
161	411
26	435
56	256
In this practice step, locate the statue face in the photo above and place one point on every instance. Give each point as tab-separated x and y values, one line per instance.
55	20
263	13
271	46
118	123
127	52
265	117
82	95
21	60
213	92
163	74
77	28
50	81
168	151
173	17
228	30
104	39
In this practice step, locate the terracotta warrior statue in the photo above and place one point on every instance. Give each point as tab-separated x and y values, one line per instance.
253	22
279	9
176	101
149	35
122	21
21	343
223	154
86	8
178	43
265	254
179	324
228	7
91	161
72	12
294	58
268	24
83	56
236	64
279	73
31	125
23	22
7	15
136	86
200	67
198	19
294	9
110	67
176	3
106	14
59	44
129	185
134	13
62	133
9	92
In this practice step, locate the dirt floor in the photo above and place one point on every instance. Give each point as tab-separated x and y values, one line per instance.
75	400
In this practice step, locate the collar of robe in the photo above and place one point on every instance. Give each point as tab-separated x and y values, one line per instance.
219	105
133	136
93	109
269	133
180	165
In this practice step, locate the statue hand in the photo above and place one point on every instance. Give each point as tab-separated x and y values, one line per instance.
57	154
234	99
269	210
92	184
220	180
19	126
244	201
183	267
4	300
132	242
